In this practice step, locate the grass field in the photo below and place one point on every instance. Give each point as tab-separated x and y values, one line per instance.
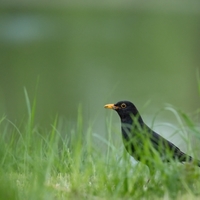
67	162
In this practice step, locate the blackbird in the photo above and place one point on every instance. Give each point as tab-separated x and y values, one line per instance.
142	142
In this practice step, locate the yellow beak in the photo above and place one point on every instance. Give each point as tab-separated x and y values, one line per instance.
110	106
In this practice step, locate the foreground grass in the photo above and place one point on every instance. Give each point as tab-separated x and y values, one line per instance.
67	163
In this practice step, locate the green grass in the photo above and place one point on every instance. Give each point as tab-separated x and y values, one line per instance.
69	162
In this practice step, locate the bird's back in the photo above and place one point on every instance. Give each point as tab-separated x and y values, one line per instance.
140	140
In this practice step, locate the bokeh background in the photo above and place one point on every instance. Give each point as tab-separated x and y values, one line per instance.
71	53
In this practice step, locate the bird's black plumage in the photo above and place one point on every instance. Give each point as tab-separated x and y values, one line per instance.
142	142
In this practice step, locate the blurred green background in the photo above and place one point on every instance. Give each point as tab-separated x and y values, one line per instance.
93	53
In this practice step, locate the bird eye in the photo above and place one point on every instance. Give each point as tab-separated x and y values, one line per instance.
123	105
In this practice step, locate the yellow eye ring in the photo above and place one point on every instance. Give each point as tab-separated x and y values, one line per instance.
123	105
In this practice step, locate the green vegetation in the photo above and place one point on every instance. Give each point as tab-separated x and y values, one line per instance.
93	52
68	162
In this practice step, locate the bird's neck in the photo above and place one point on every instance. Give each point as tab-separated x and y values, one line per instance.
130	124
131	120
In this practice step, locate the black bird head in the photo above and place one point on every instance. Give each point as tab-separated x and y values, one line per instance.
126	110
